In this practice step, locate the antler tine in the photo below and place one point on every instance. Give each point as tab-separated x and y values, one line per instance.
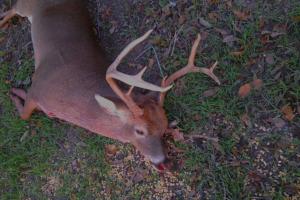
132	80
190	67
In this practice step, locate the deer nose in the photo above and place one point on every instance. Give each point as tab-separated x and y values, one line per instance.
158	159
163	166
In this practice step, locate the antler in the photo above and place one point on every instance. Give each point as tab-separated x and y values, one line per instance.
133	80
190	67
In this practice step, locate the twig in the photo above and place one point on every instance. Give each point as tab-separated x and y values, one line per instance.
158	62
151	47
143	52
173	41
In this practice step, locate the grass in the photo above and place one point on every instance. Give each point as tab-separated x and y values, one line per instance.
44	158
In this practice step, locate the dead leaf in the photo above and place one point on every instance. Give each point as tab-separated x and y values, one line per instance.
177	135
264	39
237	53
229	38
151	62
229	4
52	185
210	92
244	90
114	25
262	23
222	32
278	122
214	1
173	124
246	119
250	62
24	136
196	117
279	29
181	19
166	11
111	149
296	18
213	16
241	15
75	166
288	112
254	177
257	84
204	23
2	39
33	132
277	76
270	59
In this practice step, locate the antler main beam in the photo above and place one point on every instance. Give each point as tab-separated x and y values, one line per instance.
190	67
132	80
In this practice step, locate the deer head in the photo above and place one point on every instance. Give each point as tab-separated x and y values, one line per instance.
147	119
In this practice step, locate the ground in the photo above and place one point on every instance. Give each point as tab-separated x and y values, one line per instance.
231	143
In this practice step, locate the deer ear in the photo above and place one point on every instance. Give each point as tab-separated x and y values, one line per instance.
107	104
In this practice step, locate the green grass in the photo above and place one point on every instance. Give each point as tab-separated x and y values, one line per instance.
46	149
31	160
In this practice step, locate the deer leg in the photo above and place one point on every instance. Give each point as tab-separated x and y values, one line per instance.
25	110
6	16
19	93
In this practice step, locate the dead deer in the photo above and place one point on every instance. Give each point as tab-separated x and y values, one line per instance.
72	82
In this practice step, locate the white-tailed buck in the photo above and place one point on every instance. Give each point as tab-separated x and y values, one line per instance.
74	82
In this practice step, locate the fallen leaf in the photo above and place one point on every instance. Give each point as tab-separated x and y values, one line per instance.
75	166
173	124
280	28
296	18
244	90
251	61
177	135
222	32
254	177
288	112
264	39
213	16
270	59
229	4
262	23
204	23
214	1
257	84
151	62
166	11
2	39
278	122
113	27
111	149
237	53
241	15
33	132
24	136
182	19
52	185
196	117
210	92
229	38
246	119
277	76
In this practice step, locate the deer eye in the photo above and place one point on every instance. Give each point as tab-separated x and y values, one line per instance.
140	132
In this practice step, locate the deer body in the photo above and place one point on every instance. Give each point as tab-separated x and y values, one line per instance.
71	69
